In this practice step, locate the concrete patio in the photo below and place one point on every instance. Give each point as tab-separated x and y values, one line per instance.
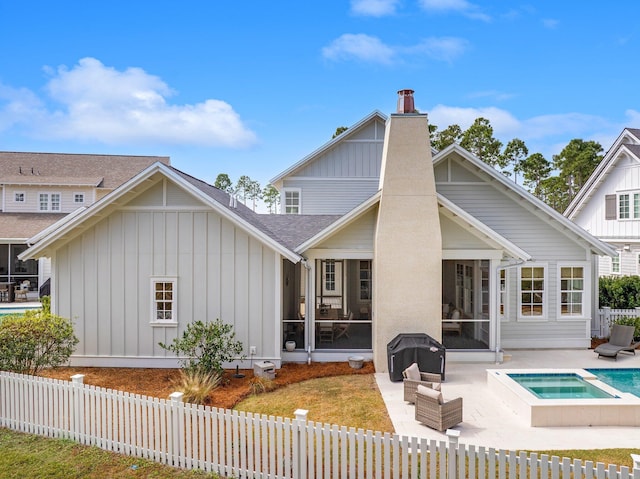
489	421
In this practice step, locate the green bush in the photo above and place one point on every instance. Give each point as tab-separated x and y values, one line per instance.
35	340
629	321
619	292
206	346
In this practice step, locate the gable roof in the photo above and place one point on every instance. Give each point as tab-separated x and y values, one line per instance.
350	131
105	171
539	207
211	196
627	142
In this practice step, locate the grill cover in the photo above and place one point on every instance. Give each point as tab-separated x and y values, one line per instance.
408	348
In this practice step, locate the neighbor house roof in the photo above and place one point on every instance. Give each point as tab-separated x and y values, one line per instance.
110	171
22	226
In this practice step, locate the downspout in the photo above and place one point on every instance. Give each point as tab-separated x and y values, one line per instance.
307	268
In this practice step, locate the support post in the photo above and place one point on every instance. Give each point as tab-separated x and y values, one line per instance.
77	428
300	444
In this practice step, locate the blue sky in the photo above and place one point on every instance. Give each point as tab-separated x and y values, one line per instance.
252	87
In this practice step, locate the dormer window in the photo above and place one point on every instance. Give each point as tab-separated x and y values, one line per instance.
19	197
49	201
78	198
629	206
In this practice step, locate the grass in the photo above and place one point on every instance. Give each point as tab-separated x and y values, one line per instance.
352	401
26	455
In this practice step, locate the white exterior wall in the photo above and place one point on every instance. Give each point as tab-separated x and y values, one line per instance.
341	178
32	192
103	282
548	247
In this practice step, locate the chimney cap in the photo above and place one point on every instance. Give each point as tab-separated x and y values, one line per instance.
405	101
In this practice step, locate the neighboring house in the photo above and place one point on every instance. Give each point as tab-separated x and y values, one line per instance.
37	189
380	239
608	205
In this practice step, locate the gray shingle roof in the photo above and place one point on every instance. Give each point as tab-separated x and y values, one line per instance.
288	230
26	225
635	149
112	169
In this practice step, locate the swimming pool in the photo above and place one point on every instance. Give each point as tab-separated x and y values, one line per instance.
623	379
559	386
6	311
546	398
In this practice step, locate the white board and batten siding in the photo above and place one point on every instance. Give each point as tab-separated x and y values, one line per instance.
221	272
520	223
339	179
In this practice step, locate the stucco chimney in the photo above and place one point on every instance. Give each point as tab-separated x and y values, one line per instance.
408	243
405	102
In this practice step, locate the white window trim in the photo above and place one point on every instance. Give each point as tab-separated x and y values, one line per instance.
586	291
49	201
637	263
630	194
619	264
24	196
84	198
152	313
283	200
545	293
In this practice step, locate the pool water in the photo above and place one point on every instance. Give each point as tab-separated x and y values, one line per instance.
558	386
625	380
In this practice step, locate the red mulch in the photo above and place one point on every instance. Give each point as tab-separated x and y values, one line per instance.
160	382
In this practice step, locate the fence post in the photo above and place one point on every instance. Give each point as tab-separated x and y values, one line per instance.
606	324
177	428
77	380
452	469
300	444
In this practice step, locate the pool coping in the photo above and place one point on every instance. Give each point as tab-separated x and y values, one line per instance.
621	410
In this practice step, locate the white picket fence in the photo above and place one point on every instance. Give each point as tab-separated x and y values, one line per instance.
602	323
245	445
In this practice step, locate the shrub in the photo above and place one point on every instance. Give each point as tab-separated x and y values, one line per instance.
629	321
35	340
619	292
259	385
196	385
206	346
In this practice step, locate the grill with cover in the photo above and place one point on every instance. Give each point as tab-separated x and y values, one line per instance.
408	348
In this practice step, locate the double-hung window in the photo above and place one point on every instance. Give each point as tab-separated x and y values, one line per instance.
164	300
291	201
49	202
572	292
615	264
532	292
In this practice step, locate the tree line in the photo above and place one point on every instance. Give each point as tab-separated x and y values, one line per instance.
249	190
555	181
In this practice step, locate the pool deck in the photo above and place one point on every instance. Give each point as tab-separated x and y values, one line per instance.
489	421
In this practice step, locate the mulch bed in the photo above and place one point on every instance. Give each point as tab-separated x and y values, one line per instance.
161	382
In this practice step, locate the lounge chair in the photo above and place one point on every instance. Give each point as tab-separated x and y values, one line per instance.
412	377
432	411
621	340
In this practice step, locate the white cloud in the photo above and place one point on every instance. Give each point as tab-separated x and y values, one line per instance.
550	23
373	50
100	103
374	8
360	47
463	7
441	48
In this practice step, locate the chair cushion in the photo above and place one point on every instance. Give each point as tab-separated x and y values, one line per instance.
412	372
429	392
436	386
